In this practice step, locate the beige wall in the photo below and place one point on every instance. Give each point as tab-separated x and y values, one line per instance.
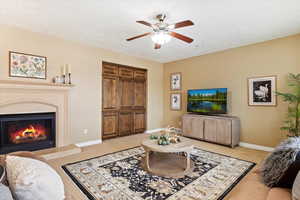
230	69
260	125
86	68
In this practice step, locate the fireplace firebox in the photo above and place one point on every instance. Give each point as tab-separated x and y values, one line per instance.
27	132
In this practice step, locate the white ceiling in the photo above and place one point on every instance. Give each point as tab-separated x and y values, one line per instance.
219	24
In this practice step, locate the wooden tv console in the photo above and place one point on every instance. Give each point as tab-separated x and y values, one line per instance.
217	129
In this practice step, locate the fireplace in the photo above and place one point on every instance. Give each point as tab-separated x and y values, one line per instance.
27	132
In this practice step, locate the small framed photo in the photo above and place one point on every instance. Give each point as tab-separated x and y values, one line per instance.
262	91
175	101
175	81
27	65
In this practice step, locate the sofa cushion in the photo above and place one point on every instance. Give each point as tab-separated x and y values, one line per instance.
279	194
249	188
5	193
2	174
289	176
32	179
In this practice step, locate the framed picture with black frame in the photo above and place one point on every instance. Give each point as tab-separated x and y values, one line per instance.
262	91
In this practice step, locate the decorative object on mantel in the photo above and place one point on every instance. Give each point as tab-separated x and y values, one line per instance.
65	77
27	65
69	73
261	91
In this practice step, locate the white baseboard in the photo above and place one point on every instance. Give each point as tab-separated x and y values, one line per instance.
256	147
154	130
88	143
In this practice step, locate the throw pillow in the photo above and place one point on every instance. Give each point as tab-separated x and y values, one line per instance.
280	168
2	174
289	176
5	193
33	179
296	188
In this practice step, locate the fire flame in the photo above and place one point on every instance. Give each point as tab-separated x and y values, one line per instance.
29	133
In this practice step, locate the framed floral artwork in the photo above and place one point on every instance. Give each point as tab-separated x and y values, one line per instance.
175	101
262	91
175	81
27	65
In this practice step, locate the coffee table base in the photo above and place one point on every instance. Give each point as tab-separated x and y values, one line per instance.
170	165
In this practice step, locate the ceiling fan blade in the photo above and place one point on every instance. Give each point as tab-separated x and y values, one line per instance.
139	36
157	46
181	37
181	24
144	23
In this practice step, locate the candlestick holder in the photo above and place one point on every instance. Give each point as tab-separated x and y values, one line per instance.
70	82
64	79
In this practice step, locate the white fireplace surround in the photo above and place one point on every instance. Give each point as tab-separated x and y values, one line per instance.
24	98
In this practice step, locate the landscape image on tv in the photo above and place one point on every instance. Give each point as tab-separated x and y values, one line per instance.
207	101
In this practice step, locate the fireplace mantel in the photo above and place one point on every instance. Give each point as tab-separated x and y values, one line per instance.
23	97
34	85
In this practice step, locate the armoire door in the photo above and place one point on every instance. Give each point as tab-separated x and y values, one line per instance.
126	93
109	124
109	69
125	123
139	121
140	95
124	100
109	93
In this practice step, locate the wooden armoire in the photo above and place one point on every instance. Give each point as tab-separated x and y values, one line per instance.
124	100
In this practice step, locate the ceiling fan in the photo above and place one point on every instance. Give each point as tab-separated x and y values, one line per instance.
161	31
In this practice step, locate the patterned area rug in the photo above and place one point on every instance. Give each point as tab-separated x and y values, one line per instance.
119	176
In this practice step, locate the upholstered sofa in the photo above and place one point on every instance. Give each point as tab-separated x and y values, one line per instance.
31	155
251	188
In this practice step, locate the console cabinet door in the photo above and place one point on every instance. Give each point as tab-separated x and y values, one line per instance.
126	93
110	124
125	123
198	128
139	121
210	130
109	92
223	131
193	127
187	126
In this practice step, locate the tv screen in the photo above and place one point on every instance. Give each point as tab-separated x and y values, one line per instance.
207	101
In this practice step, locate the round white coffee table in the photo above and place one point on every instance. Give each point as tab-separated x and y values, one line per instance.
171	160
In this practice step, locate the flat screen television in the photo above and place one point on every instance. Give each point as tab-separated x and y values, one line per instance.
207	101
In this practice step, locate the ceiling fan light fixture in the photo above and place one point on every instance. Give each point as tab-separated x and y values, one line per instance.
161	37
